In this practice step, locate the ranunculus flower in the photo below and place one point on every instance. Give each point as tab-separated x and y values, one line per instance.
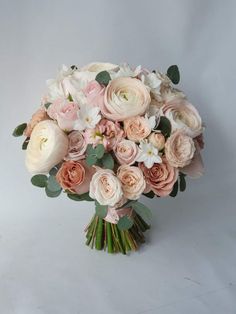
99	67
75	176
107	132
132	180
160	177
65	112
179	149
157	139
125	97
105	187
77	146
196	168
183	116
47	147
126	152
94	93
137	128
38	116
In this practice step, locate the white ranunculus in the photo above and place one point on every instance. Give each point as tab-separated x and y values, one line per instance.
48	145
125	97
105	187
99	66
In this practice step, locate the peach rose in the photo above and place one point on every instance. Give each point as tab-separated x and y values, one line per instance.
183	116
125	97
94	93
38	116
77	146
65	112
179	149
161	177
132	180
47	147
105	187
137	128
126	152
75	176
157	139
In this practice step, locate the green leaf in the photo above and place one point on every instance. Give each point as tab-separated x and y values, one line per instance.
86	197
127	204
53	171
91	160
175	189
101	210
74	197
173	74
99	151
52	193
74	67
90	150
103	78
143	211
164	126
25	143
182	182
39	180
70	97
108	161
47	105
125	223
52	184
150	194
19	130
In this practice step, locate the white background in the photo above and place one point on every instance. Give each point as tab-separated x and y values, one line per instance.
189	264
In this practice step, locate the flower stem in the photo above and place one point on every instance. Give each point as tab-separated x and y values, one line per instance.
99	233
109	238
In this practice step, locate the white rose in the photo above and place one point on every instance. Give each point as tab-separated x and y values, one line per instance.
48	145
105	187
125	97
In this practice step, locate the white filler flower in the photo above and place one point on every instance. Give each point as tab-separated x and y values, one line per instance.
148	154
88	118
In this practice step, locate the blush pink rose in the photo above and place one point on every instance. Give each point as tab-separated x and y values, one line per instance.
160	178
39	115
137	128
126	152
196	168
64	112
75	176
114	214
77	146
94	93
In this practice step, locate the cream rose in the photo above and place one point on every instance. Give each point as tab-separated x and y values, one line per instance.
132	180
125	97
48	145
137	128
126	152
179	149
183	116
157	139
105	187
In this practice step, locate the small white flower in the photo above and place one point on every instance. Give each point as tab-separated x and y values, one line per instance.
88	118
152	121
148	154
152	82
126	71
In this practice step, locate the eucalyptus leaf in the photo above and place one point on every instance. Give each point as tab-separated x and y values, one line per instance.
182	182
39	180
52	184
99	151
175	189
150	194
47	105
90	150
108	161
91	160
74	197
19	130
50	193
164	126
25	143
143	211
101	210
103	78
173	74
53	171
86	197
125	223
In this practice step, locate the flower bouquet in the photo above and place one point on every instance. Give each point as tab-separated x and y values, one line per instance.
109	134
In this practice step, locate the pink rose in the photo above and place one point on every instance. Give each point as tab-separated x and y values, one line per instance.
39	115
196	168
65	112
77	146
126	152
137	128
107	132
94	93
157	140
160	177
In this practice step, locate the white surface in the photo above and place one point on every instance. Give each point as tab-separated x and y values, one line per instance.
189	264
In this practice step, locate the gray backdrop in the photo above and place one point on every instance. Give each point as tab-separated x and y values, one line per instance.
189	264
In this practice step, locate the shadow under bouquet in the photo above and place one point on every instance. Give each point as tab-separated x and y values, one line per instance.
109	134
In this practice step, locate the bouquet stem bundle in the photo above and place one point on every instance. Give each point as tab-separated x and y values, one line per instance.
107	236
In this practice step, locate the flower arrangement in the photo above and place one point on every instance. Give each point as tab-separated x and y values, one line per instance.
110	134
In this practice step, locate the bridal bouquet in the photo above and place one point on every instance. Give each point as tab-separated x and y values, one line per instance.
109	134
